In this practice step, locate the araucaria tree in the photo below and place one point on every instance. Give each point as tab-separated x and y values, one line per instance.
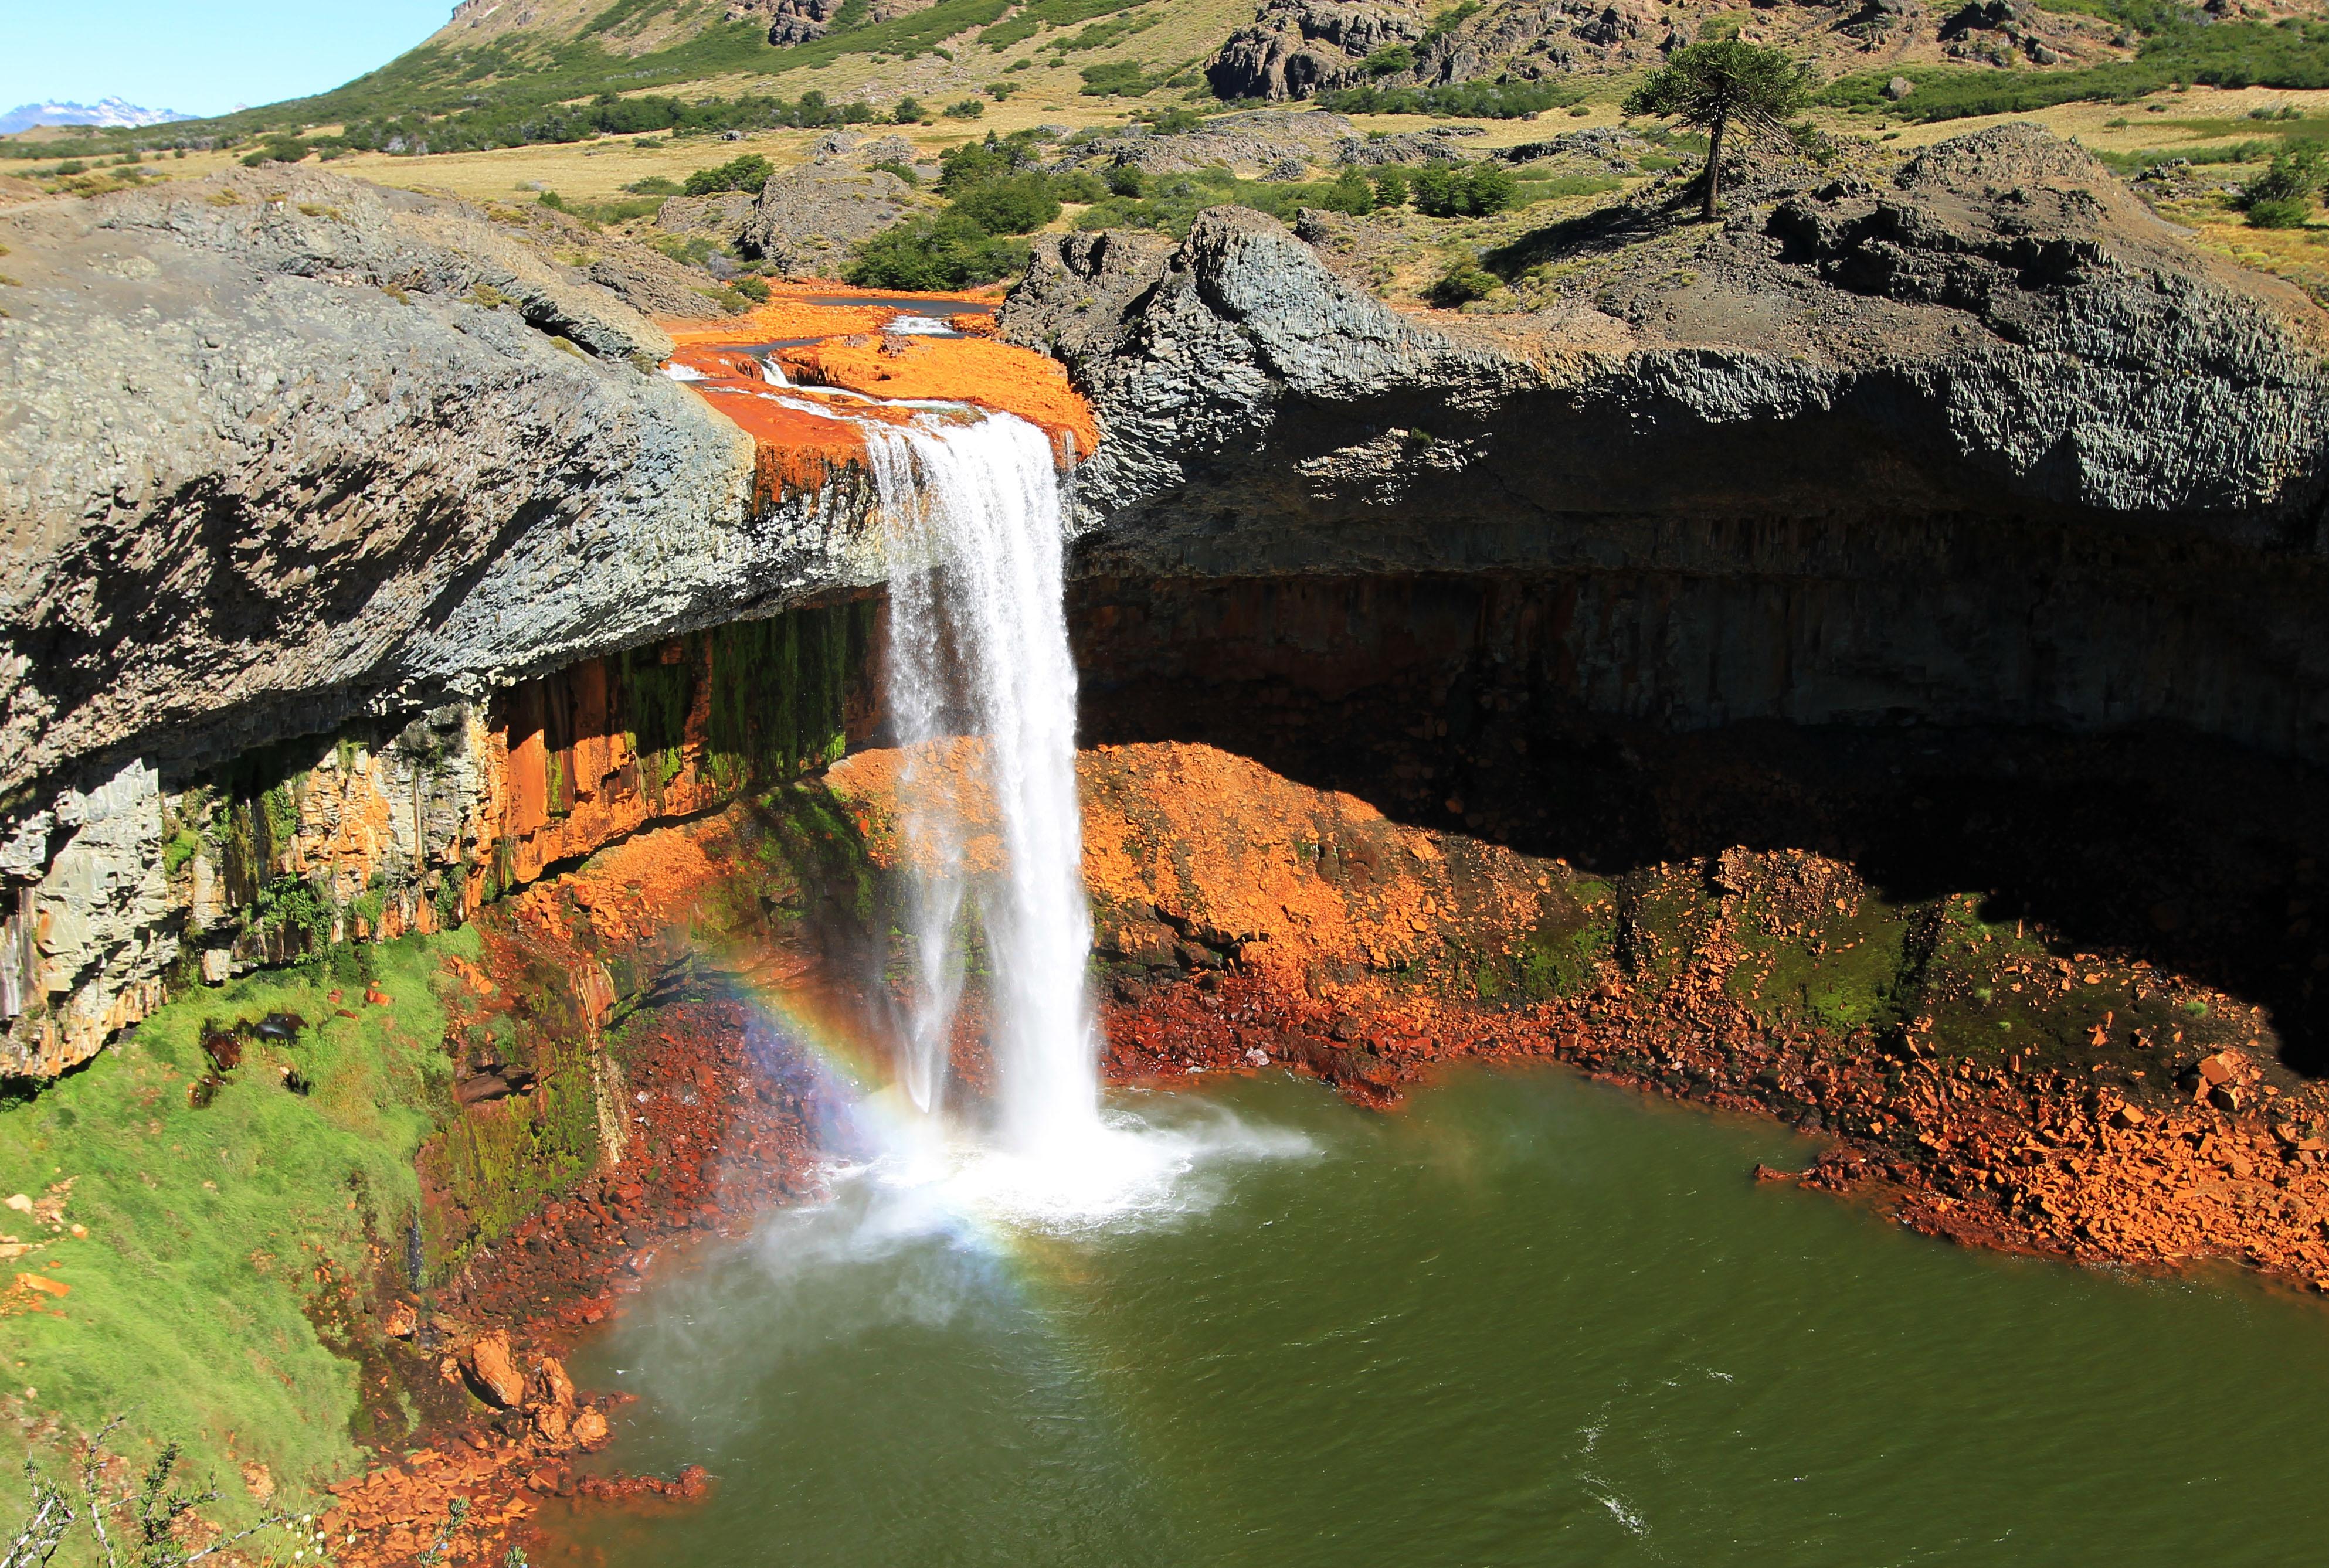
1715	86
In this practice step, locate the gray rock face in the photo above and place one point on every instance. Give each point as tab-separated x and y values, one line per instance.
1987	446
279	449
721	217
807	220
1259	142
1985	442
1300	48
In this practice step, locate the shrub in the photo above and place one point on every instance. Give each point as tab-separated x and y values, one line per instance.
752	288
949	250
1125	180
277	150
903	171
1462	284
2279	212
653	185
1121	76
2282	196
1349	192
973	163
1448	191
907	112
748	172
1393	185
1013	204
1390	60
969	108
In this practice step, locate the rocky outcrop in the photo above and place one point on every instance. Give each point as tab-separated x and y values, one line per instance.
289	456
1984	443
282	450
794	22
807	220
1264	142
1300	48
721	217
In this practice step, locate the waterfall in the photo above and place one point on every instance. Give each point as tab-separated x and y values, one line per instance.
978	648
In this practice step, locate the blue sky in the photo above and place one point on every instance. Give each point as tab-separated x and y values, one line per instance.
202	56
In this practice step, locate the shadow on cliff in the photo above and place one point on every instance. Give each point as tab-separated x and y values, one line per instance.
2157	844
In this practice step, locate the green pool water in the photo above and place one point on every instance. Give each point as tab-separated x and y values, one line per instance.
1526	1320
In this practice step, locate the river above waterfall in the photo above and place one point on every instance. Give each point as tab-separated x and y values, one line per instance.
1527	1319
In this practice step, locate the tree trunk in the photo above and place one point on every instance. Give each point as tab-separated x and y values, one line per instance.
1713	169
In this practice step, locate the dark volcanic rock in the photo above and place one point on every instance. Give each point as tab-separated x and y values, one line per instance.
1299	48
280	448
1989	444
1983	442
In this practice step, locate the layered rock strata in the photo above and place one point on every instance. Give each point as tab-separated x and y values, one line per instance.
284	451
1982	441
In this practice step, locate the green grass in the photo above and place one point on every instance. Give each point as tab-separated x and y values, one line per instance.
1031	19
2230	54
205	1226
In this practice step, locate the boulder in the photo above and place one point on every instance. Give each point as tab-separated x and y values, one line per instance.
492	1371
1297	48
554	1386
589	1430
807	220
722	216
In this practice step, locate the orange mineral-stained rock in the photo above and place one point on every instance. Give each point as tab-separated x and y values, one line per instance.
825	335
971	370
589	1430
556	1388
495	1371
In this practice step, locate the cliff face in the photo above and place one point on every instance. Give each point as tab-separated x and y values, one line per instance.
1984	445
280	452
307	486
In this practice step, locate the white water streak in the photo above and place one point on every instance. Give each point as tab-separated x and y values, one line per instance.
978	643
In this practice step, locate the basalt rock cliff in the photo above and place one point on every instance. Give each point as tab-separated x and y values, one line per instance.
1984	443
357	557
282	450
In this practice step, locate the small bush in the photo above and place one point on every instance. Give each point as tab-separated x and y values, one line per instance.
748	172
653	185
1012	205
752	288
1393	185
969	108
949	251
903	171
1121	76
1390	60
1462	284
1350	191
1448	191
2282	196
275	150
907	112
2279	212
1125	180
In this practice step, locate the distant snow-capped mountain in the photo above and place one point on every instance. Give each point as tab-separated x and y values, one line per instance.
107	111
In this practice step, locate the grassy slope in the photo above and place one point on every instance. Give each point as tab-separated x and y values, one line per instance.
206	1227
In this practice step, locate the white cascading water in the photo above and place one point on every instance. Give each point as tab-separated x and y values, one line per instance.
978	645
